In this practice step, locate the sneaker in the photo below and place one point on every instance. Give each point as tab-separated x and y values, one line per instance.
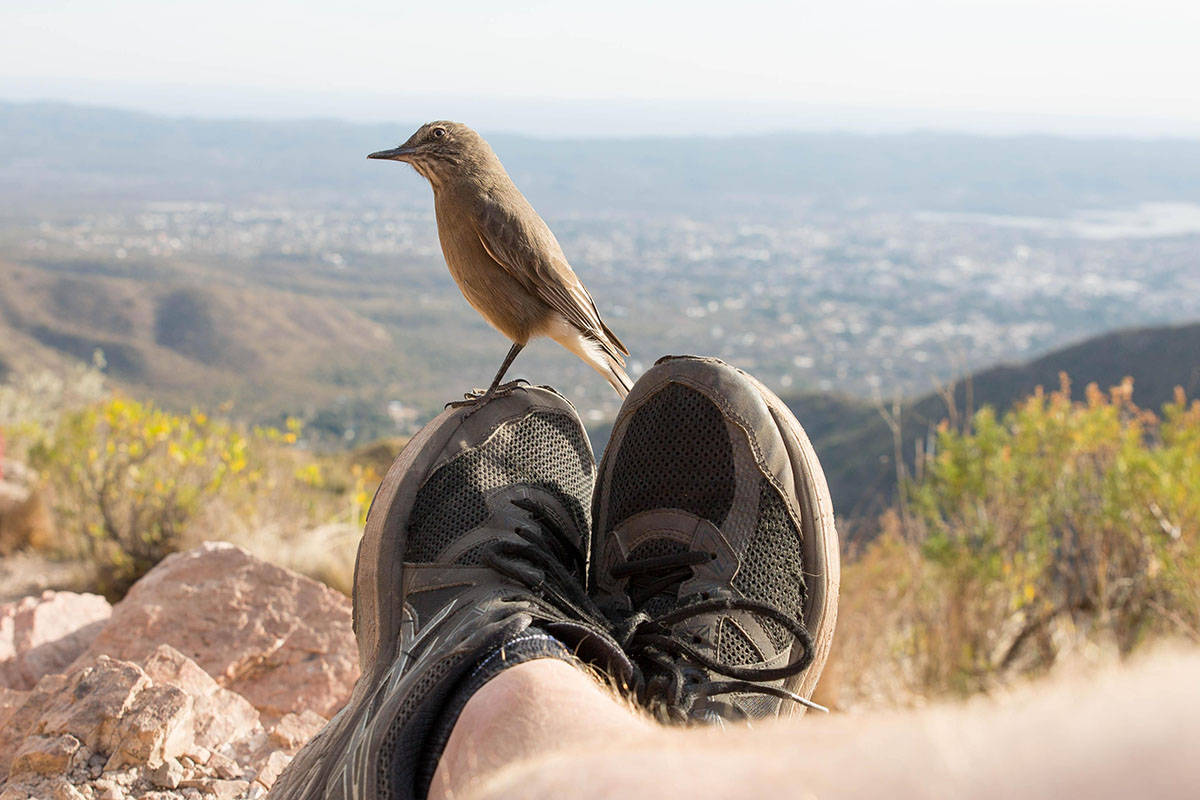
472	560
715	554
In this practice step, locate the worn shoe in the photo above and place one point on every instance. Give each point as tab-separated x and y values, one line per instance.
473	558
715	553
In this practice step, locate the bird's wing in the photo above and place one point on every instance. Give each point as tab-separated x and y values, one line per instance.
524	247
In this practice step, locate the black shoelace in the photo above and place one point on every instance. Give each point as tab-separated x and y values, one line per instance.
674	666
548	564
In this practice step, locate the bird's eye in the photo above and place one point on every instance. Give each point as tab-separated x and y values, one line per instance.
439	133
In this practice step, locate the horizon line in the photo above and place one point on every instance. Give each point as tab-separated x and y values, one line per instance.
595	118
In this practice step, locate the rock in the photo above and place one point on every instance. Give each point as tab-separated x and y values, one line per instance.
223	767
271	769
200	755
219	716
111	714
45	755
66	791
10	701
158	726
168	774
280	640
22	719
43	635
227	790
294	730
110	792
91	704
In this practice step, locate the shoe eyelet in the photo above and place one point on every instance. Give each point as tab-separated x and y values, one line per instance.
712	556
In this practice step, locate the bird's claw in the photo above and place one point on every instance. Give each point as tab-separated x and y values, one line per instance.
479	396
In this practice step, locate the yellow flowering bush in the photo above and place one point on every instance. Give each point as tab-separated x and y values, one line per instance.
130	476
1062	525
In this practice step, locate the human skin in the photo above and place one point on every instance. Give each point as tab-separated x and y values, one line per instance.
545	729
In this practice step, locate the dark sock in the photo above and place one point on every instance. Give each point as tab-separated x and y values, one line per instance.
528	645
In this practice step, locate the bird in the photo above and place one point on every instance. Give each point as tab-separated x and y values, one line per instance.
503	256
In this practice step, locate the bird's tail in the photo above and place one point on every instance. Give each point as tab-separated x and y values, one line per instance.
617	377
598	354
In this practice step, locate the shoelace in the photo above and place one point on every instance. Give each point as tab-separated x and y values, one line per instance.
546	562
651	642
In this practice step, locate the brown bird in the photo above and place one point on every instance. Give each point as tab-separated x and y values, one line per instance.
501	253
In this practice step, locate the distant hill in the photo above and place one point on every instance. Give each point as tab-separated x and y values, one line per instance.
857	447
57	156
190	341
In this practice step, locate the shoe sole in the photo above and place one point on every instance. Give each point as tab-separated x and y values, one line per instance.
822	550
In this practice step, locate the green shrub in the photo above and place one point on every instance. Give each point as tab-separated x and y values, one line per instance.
1058	525
129	476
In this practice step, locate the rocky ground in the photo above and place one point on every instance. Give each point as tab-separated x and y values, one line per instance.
202	683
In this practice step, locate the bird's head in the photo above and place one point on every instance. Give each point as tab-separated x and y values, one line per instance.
439	148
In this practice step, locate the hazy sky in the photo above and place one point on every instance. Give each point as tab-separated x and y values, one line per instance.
1080	65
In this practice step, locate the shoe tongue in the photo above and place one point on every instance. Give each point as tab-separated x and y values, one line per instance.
644	589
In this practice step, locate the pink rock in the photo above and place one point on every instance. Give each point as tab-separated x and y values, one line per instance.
10	701
22	718
158	726
92	704
294	730
219	716
42	635
117	712
280	640
86	705
271	769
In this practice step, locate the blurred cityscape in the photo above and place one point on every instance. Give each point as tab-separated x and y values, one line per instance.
935	261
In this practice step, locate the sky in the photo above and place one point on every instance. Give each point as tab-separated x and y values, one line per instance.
626	68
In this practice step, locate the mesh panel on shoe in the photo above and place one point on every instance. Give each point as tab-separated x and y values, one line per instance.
473	557
772	569
735	647
546	450
675	453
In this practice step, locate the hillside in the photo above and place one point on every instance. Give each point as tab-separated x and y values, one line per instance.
857	447
188	340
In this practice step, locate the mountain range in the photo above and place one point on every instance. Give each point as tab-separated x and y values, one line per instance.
56	156
858	446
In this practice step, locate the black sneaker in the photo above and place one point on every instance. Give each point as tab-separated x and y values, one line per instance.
474	546
715	553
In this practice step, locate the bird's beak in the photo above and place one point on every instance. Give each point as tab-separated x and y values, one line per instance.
395	154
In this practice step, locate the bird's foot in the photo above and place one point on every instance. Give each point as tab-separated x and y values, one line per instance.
477	397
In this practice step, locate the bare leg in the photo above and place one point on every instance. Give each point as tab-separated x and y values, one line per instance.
545	729
476	396
525	713
508	359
